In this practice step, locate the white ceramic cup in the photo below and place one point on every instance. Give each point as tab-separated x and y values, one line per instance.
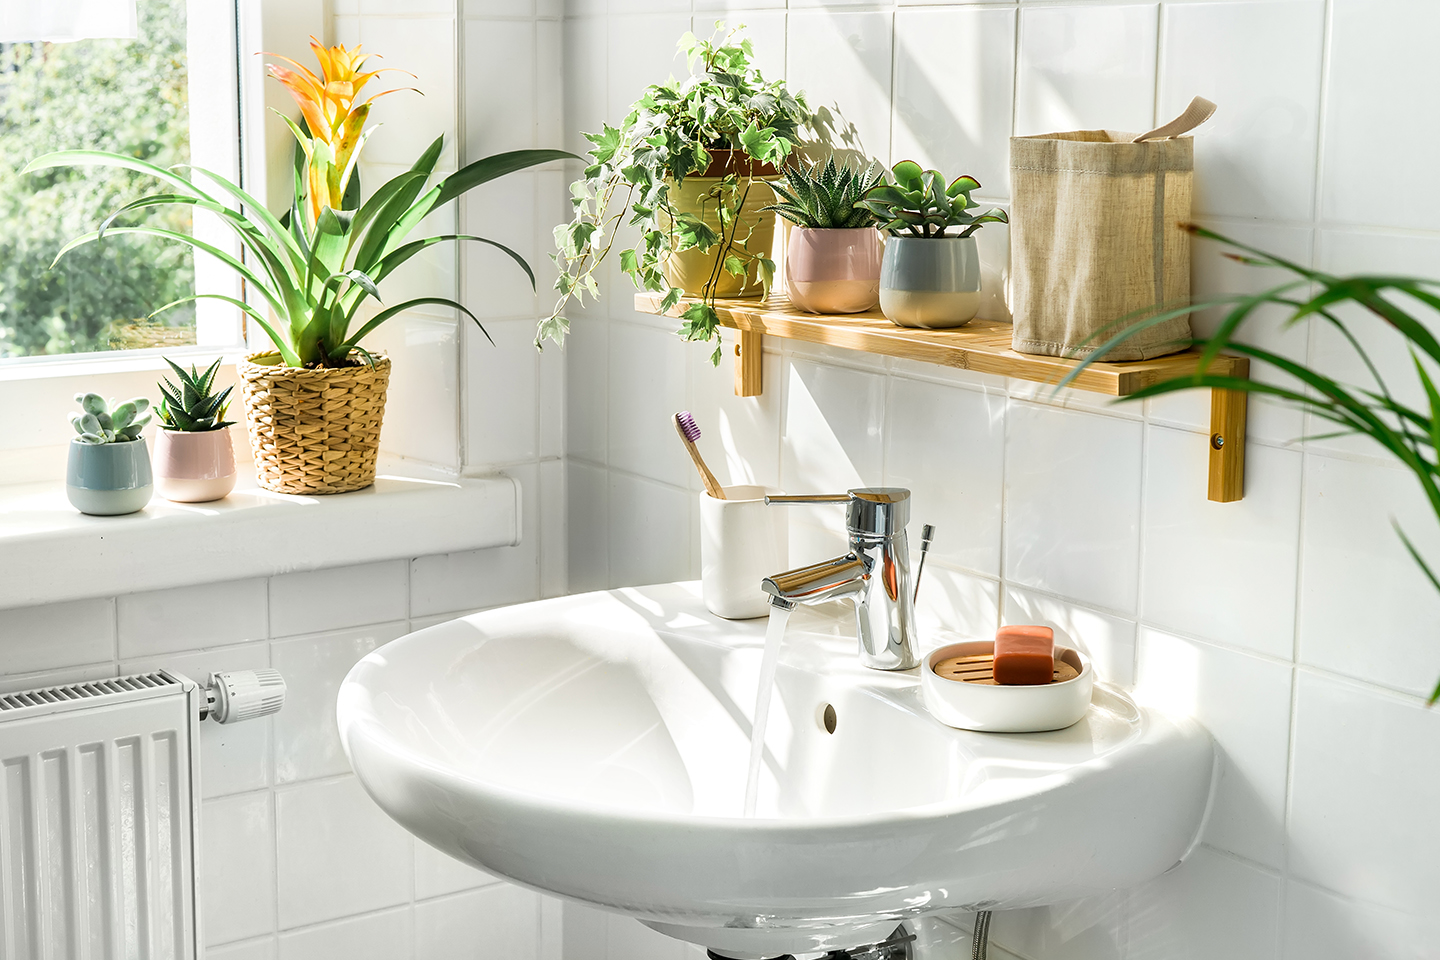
742	541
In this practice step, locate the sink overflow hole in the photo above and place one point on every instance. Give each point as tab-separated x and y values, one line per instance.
827	718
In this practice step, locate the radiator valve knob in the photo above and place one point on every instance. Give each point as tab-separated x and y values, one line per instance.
236	695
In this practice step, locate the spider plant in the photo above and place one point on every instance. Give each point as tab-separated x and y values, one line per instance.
1411	434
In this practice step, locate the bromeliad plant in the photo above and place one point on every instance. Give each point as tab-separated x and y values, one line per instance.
191	407
827	197
1409	306
315	267
919	204
97	423
672	132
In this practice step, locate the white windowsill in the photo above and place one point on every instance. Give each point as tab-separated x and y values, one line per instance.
49	552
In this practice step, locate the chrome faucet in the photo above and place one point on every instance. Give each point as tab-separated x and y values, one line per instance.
875	574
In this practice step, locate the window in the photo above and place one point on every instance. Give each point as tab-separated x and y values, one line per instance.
169	97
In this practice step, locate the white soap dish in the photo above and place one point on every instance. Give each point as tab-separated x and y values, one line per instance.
988	707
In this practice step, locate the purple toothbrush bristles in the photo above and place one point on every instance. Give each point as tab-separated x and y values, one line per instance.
688	425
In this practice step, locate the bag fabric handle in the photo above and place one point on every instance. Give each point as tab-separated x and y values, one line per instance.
1197	113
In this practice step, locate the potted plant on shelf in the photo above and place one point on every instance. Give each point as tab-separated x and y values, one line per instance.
929	278
832	257
314	404
688	167
194	458
109	467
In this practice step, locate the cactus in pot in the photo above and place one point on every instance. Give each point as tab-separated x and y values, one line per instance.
930	277
194	456
832	256
109	466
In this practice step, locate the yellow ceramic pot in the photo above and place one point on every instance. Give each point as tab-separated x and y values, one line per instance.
690	270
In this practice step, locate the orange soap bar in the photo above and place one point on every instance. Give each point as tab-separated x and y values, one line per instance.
1024	655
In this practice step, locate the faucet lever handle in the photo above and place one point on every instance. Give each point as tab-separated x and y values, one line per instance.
811	498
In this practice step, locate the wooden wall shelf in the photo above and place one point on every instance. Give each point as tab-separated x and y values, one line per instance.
984	347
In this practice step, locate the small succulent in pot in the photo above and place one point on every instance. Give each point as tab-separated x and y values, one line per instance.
109	467
832	257
194	457
930	277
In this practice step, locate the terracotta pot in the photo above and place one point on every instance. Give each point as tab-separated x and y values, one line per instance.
930	283
194	466
108	479
834	270
690	270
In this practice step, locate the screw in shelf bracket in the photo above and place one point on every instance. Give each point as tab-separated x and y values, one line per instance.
1217	441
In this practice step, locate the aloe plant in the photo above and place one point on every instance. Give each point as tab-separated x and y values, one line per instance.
826	196
190	406
97	423
919	204
1411	434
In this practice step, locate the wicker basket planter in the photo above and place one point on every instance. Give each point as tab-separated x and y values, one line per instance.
313	431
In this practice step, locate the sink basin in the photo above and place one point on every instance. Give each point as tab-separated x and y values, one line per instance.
595	747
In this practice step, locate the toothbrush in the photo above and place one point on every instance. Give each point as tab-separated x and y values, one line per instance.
689	431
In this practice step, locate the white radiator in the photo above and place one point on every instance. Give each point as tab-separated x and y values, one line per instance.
99	797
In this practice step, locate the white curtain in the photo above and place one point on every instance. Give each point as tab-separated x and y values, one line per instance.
60	21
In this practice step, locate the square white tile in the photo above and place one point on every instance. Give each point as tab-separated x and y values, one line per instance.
1175	916
307	738
501	75
237	857
833	433
648	380
1366	609
505	211
55	635
649	536
952	604
438	874
842	61
947	446
375	936
339	854
1221	571
1381	69
1244	702
641	50
502	390
338	597
1072	504
1260	63
586	55
587	528
186	618
954	93
1086	67
425	47
1360	792
496	921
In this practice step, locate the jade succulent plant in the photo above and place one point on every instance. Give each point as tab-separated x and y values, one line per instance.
191	406
827	196
919	204
97	423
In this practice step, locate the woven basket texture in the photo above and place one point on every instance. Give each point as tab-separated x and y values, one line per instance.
314	431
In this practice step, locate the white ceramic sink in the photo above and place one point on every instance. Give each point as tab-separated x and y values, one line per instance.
595	747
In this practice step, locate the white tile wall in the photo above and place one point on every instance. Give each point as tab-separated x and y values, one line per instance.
1291	623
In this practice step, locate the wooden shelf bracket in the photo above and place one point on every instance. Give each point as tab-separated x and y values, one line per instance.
1227	445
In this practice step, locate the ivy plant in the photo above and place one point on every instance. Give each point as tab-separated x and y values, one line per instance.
671	133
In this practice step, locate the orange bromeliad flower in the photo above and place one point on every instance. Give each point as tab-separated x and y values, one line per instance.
336	120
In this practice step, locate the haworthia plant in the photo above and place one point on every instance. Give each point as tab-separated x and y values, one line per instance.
190	406
826	196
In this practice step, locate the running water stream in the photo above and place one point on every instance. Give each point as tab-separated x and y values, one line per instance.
779	616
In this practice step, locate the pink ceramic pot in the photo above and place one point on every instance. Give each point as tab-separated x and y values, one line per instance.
193	467
834	270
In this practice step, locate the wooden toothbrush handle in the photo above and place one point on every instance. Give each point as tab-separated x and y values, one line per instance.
712	486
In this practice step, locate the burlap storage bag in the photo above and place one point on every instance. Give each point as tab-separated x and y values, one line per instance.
1094	238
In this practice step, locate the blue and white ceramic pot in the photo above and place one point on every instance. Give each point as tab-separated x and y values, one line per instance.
106	479
930	283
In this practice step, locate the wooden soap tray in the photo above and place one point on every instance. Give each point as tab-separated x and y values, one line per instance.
980	668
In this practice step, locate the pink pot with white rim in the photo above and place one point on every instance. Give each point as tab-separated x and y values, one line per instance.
194	466
833	269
